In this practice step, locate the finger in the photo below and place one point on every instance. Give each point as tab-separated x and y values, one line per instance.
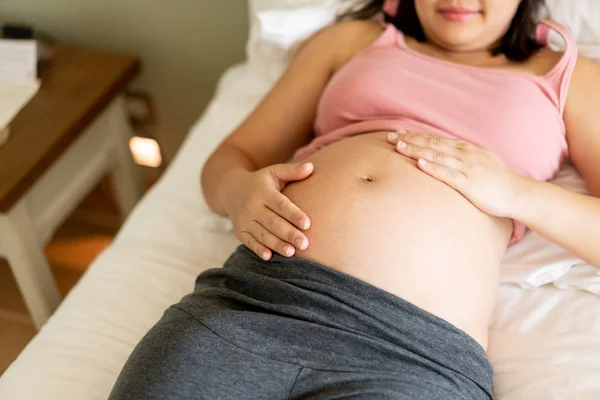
253	244
436	156
268	239
291	172
280	204
439	143
283	229
393	137
449	176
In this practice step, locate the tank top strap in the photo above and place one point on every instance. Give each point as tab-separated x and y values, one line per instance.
559	77
388	36
388	10
390	7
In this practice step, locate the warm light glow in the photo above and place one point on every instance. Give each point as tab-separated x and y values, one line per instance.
145	151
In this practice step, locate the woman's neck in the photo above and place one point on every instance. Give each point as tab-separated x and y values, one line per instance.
482	57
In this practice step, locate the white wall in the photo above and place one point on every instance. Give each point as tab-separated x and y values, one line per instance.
184	45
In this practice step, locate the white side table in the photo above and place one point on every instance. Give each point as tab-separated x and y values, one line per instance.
72	133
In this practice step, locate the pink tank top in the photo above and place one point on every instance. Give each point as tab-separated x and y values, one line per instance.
389	86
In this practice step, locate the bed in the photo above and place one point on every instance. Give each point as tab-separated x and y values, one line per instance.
545	330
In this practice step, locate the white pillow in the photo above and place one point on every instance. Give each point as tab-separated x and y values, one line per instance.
270	41
582	17
275	26
277	32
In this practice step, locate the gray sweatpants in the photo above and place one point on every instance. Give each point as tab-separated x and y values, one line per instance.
296	329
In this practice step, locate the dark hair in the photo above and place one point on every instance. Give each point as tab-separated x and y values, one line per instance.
518	44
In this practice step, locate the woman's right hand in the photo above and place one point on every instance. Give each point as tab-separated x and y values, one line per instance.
262	217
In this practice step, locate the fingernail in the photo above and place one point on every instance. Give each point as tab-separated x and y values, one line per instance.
265	256
301	243
392	137
402	131
422	162
304	224
288	250
401	145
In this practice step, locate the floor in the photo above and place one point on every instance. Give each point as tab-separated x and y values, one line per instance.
83	236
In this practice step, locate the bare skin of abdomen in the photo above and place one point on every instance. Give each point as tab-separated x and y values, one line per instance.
377	217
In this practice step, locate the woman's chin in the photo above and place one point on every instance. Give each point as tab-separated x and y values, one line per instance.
459	38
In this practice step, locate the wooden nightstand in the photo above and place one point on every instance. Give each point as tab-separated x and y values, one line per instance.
72	133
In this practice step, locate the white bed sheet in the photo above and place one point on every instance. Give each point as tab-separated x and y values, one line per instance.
545	343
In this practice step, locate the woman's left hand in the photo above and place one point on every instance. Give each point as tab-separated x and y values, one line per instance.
478	174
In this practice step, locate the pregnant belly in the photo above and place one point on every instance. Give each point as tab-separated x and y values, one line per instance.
377	217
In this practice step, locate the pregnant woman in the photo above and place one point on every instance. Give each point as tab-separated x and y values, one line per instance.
370	263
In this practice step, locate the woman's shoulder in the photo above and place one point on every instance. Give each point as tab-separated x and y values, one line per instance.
340	41
358	27
586	78
345	33
347	38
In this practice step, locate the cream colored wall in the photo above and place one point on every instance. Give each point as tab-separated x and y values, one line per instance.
184	45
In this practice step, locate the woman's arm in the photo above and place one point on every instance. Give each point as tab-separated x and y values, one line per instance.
571	219
243	179
280	124
283	121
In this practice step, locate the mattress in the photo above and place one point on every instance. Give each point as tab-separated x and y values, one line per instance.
545	339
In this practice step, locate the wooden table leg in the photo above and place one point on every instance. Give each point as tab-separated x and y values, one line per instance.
25	254
125	172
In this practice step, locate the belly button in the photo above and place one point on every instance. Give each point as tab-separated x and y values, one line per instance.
367	178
